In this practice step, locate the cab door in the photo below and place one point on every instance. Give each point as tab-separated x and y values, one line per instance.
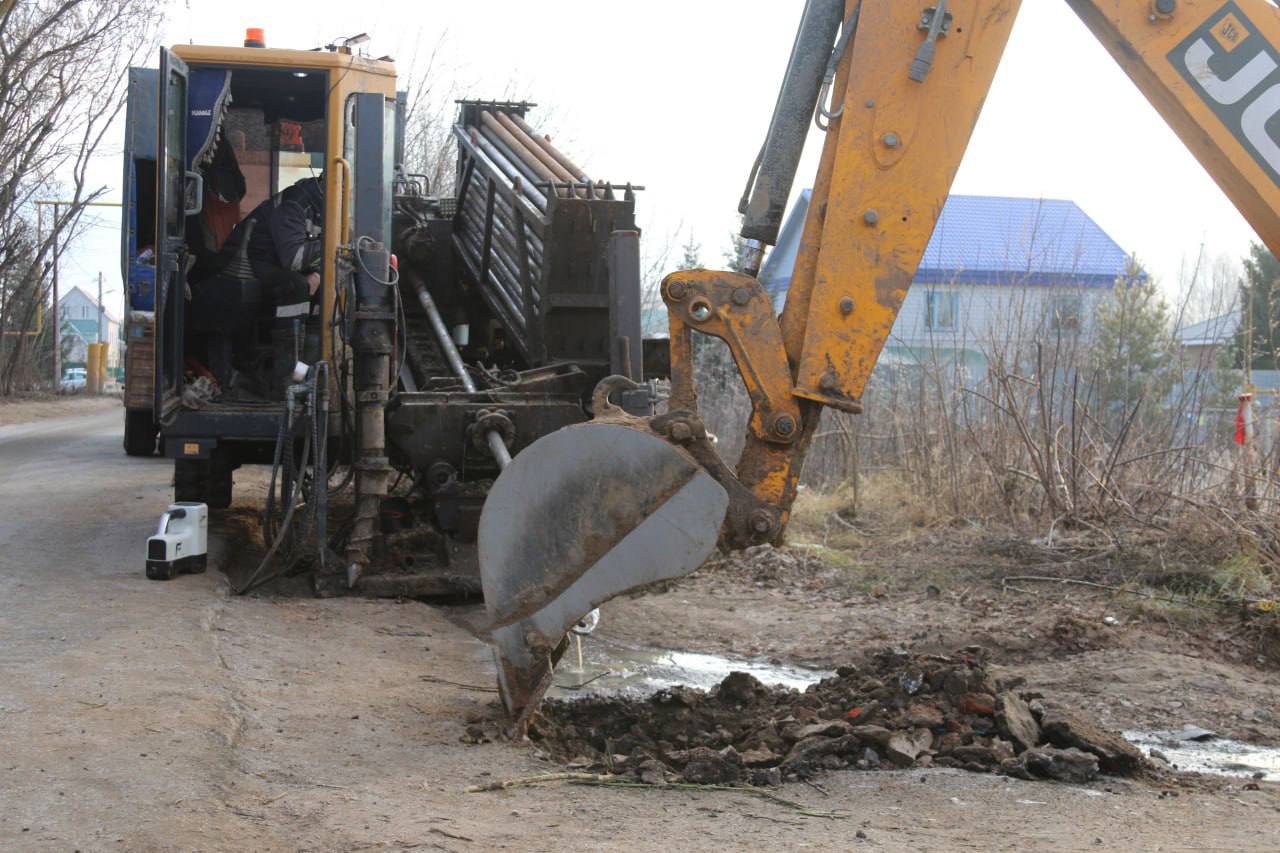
137	226
172	204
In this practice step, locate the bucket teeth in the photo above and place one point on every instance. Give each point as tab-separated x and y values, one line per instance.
522	687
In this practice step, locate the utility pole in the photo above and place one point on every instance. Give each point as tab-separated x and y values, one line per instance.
102	339
57	229
102	336
57	315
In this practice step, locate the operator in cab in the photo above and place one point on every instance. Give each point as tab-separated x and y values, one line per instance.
285	246
269	265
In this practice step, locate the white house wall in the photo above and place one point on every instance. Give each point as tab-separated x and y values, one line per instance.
75	305
992	315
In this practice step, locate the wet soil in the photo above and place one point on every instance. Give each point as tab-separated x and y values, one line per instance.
1201	751
595	666
896	710
1132	663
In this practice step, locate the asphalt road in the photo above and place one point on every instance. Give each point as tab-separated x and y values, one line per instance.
139	715
96	664
143	715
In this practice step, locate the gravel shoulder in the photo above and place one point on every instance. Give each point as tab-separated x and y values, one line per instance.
24	410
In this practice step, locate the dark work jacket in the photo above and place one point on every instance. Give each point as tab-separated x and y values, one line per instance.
286	242
287	233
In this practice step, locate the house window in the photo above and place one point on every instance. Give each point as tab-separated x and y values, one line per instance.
941	310
1066	313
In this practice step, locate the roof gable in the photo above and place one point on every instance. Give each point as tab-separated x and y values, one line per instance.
79	293
1019	241
1215	330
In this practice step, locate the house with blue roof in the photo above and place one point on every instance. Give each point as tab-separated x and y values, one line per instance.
997	272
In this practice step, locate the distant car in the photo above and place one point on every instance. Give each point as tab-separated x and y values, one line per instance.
73	379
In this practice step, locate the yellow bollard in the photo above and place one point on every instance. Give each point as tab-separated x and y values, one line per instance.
102	367
91	372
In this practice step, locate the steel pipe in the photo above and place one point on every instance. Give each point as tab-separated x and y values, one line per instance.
497	446
523	180
517	148
538	152
556	153
500	293
503	240
498	262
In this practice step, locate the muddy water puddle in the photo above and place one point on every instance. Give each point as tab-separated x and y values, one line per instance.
609	668
1211	754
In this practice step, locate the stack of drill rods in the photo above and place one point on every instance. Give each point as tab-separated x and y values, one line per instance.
498	271
576	174
535	156
522	178
508	215
504	252
519	144
505	219
548	155
527	174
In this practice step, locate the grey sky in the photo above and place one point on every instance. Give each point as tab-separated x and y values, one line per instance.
676	96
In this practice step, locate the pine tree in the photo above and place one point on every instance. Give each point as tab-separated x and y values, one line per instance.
1131	351
1260	296
733	253
692	254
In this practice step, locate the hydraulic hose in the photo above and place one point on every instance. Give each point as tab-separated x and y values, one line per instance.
294	481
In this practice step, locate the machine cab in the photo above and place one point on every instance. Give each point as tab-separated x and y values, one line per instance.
228	137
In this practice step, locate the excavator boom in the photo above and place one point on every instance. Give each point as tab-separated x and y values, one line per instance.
898	87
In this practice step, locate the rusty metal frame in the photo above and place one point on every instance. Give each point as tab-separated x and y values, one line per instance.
736	309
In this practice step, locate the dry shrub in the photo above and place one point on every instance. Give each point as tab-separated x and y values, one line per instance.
1027	445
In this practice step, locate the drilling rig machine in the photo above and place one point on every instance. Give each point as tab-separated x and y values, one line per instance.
447	333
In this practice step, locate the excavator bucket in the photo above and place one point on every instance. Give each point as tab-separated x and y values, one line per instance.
580	516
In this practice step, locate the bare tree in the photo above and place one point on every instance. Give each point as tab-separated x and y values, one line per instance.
433	84
655	262
63	80
430	150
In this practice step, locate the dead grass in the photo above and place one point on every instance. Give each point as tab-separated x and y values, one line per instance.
885	506
889	539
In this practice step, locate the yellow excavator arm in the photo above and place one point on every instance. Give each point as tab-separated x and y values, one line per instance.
600	508
1212	69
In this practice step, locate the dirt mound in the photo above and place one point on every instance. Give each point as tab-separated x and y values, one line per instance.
900	710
